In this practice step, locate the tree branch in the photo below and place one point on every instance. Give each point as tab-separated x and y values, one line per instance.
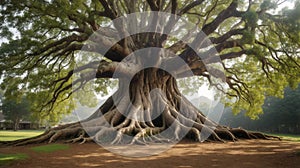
116	69
153	5
111	13
226	36
222	16
190	6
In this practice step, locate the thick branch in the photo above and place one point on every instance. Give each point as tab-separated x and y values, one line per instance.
222	16
232	55
226	36
116	69
190	6
111	13
153	5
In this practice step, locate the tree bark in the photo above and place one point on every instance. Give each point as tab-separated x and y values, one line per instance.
141	113
16	124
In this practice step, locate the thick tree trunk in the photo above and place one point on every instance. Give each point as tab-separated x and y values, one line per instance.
150	110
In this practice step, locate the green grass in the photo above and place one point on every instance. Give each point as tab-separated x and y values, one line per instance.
8	158
9	135
50	148
289	137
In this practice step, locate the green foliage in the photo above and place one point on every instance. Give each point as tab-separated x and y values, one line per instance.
260	84
190	86
248	37
258	52
268	4
15	110
263	71
290	25
251	18
29	26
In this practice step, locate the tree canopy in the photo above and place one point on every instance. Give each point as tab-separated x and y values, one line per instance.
257	42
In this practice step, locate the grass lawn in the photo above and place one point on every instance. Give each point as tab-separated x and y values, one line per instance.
289	137
9	135
50	148
8	158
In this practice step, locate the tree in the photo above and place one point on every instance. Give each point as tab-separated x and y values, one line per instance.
280	115
16	110
287	109
249	45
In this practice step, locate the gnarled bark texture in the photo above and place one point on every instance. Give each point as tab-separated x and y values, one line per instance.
140	113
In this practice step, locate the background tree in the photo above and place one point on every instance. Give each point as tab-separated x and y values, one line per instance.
280	115
16	110
257	43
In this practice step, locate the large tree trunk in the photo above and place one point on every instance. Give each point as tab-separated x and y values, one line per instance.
151	109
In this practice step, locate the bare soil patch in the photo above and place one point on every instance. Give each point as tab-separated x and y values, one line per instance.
245	153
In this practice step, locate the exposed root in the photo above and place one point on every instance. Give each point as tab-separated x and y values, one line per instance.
132	132
165	117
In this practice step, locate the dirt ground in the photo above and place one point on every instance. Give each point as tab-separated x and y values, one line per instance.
241	154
